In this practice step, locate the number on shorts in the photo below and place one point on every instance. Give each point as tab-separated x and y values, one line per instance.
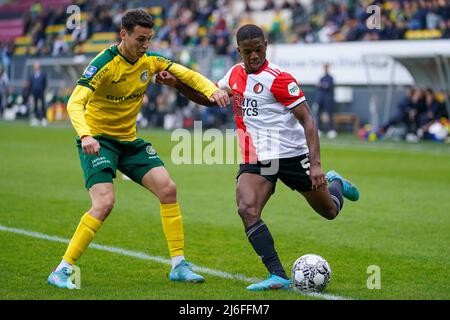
305	165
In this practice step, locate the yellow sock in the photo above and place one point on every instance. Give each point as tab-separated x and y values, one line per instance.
82	237
173	228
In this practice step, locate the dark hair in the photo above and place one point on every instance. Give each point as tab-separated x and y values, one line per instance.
249	31
136	17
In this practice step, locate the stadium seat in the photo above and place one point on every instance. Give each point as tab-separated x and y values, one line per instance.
23	41
10	29
423	34
101	37
23	46
92	47
155	11
68	38
55	29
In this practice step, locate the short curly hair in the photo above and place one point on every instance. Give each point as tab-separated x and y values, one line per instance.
136	17
249	31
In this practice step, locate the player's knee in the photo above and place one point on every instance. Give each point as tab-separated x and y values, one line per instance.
329	213
102	206
168	194
248	211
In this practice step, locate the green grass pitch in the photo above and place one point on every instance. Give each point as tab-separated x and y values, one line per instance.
401	223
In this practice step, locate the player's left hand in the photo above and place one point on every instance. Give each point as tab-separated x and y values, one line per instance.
220	97
317	177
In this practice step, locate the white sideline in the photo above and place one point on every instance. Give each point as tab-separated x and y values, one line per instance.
144	256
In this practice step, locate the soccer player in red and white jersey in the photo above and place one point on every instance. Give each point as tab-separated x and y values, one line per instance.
278	140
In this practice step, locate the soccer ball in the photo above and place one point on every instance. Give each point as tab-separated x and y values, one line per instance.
311	272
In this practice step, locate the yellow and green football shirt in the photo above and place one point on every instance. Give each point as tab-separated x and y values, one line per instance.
109	94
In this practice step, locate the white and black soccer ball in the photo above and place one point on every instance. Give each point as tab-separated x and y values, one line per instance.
311	273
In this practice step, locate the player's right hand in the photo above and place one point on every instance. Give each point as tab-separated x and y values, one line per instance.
318	180
220	97
90	145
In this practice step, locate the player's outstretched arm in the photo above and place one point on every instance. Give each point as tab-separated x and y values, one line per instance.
219	97
198	82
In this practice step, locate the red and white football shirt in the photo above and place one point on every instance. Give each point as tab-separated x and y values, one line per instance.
267	129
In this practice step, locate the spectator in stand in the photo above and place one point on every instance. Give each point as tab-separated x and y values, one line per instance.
188	22
445	27
221	45
60	46
419	18
247	6
433	19
389	31
286	5
443	7
270	5
6	50
356	30
327	32
298	15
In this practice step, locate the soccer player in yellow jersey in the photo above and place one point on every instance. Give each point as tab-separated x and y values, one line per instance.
103	109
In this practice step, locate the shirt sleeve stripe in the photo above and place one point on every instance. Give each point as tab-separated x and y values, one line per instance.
85	84
166	69
297	102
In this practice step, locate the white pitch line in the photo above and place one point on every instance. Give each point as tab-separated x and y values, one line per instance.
144	256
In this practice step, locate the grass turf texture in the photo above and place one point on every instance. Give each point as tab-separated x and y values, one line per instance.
401	223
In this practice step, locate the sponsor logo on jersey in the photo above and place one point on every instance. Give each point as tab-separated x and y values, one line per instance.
258	88
245	107
144	76
90	71
293	89
99	161
119	80
134	96
234	86
99	76
150	150
162	59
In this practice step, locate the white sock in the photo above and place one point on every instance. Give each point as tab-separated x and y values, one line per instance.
63	264
176	260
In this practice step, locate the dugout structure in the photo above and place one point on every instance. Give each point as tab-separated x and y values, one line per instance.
428	64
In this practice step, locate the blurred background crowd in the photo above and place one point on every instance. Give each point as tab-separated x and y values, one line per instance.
45	29
210	22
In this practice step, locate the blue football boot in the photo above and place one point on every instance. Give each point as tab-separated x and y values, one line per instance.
273	282
61	279
349	190
183	272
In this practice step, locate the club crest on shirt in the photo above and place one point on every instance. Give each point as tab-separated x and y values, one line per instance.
144	76
90	71
150	150
258	88
293	89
